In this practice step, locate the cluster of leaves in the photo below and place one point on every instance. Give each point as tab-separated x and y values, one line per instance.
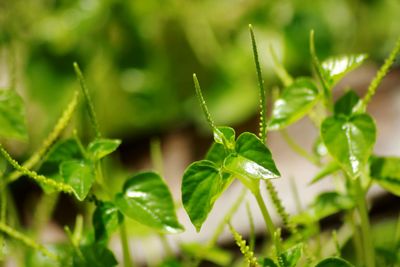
346	140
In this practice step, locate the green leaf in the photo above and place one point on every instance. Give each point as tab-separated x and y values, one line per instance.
170	263
215	255
80	175
324	205
202	184
100	148
12	115
94	255
349	140
252	159
106	219
294	103
345	104
146	199
225	136
267	262
334	262
386	172
335	68
291	256
65	150
216	154
328	169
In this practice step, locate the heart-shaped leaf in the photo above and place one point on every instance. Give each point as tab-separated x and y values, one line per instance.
80	175
294	102
252	159
334	262
216	154
291	256
146	199
100	148
94	255
335	68
345	104
12	115
386	172
106	219
202	184
349	140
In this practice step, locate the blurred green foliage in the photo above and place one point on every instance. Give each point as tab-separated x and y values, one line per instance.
138	56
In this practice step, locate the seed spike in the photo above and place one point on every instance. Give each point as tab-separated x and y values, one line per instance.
203	102
263	106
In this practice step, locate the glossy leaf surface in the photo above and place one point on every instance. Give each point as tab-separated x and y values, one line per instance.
349	140
79	174
334	262
252	159
335	68
100	148
291	256
202	184
225	136
106	220
12	115
386	172
145	198
294	102
345	104
94	255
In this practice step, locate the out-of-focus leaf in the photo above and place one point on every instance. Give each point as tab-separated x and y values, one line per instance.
12	115
216	154
267	262
252	159
334	262
225	136
94	255
349	140
100	148
345	104
335	68
294	102
291	256
386	172
80	175
170	263
212	254
145	198
202	184
106	219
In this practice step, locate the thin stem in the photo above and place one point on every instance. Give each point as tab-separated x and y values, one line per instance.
379	76
252	234
88	100
264	211
357	242
35	176
369	252
125	246
26	240
295	194
203	102
298	149
156	155
43	211
263	105
60	126
280	70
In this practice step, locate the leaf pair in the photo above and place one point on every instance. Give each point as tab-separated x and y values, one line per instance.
203	182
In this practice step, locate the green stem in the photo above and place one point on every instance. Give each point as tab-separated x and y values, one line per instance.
43	211
252	233
357	242
26	240
125	246
203	102
264	211
369	251
280	70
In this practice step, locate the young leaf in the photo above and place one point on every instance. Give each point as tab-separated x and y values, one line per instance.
216	154
349	140
145	198
335	68
101	147
94	255
386	172
252	159
12	115
202	183
291	256
345	104
334	262
106	219
79	174
293	103
225	136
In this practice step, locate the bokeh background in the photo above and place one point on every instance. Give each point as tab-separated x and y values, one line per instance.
138	58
